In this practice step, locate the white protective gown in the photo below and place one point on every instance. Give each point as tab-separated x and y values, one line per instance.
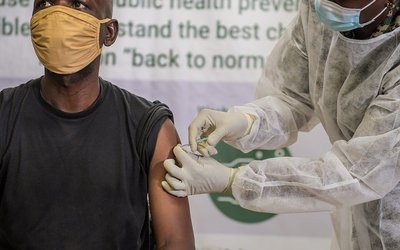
352	87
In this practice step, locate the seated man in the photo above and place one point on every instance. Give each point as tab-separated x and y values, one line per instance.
72	174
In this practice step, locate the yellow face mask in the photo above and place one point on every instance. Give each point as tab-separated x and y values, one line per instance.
64	39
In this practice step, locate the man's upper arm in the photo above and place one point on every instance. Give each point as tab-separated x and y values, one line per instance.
170	215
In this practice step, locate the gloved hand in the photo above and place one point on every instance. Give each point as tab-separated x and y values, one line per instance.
197	175
217	125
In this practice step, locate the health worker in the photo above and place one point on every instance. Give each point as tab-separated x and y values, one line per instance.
337	64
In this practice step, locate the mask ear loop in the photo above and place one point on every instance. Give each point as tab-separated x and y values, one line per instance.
388	3
102	21
366	6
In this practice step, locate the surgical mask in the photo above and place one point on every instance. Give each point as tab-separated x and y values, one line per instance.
64	39
339	18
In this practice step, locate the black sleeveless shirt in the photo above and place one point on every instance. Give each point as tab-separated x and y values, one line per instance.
72	180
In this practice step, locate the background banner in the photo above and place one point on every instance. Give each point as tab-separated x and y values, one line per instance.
192	54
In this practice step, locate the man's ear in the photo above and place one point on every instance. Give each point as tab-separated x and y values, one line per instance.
111	32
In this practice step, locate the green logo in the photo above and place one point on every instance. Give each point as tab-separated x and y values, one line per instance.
234	158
